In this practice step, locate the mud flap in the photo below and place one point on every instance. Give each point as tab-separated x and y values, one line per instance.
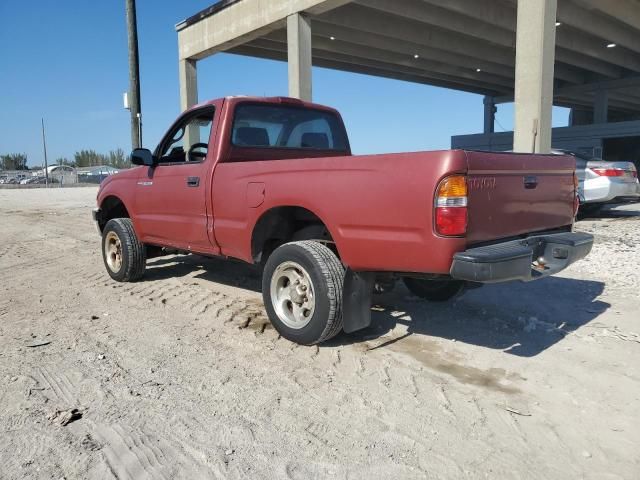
356	300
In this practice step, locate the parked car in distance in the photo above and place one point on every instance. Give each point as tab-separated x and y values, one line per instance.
602	182
39	180
43	180
272	181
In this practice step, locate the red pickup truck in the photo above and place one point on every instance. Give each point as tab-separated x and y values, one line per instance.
272	181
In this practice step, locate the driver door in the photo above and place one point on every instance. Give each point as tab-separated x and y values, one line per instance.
171	196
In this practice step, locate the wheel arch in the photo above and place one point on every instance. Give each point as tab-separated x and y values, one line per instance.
111	207
279	225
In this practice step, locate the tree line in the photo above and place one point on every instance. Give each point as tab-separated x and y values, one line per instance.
13	161
83	158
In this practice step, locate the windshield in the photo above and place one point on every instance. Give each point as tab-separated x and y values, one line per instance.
276	126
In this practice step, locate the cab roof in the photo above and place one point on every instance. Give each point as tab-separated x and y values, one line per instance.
271	100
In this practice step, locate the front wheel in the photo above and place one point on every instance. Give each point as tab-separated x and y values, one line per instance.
123	254
302	287
434	290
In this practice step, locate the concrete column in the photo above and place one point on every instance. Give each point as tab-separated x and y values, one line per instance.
489	115
188	84
189	97
601	106
535	57
299	50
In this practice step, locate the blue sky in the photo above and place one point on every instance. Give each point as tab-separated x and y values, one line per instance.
67	62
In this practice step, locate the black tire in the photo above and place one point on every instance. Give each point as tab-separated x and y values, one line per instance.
326	274
434	290
133	259
589	210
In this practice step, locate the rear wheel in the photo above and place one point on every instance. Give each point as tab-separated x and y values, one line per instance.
123	254
302	290
434	290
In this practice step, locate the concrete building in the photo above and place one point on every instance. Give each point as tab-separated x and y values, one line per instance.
581	54
54	170
95	174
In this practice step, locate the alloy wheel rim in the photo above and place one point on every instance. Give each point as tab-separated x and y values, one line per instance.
293	295
113	252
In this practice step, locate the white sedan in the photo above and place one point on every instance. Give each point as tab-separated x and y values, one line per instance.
603	182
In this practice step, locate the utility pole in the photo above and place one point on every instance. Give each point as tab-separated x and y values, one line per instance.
46	165
134	75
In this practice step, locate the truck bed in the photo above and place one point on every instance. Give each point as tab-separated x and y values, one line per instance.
379	209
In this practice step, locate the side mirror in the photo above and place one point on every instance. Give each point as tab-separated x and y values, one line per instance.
143	156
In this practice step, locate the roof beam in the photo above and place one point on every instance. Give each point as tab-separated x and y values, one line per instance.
381	51
503	15
496	38
241	22
615	106
381	60
605	85
581	14
502	33
388	24
624	99
614	100
608	29
375	21
358	37
585	62
347	65
586	99
625	11
586	44
633	94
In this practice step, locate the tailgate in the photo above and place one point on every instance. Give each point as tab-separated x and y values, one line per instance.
511	194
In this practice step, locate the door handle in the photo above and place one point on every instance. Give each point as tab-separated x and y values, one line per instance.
193	181
530	182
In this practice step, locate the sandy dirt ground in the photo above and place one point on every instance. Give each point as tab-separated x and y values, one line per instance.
181	375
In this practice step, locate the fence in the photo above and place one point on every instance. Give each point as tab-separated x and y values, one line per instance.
63	177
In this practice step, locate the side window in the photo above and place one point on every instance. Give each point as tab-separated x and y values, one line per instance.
189	140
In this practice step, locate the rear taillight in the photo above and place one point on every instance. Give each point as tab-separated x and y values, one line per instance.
451	206
609	172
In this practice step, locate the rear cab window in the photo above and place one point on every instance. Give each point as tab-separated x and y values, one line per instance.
284	127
